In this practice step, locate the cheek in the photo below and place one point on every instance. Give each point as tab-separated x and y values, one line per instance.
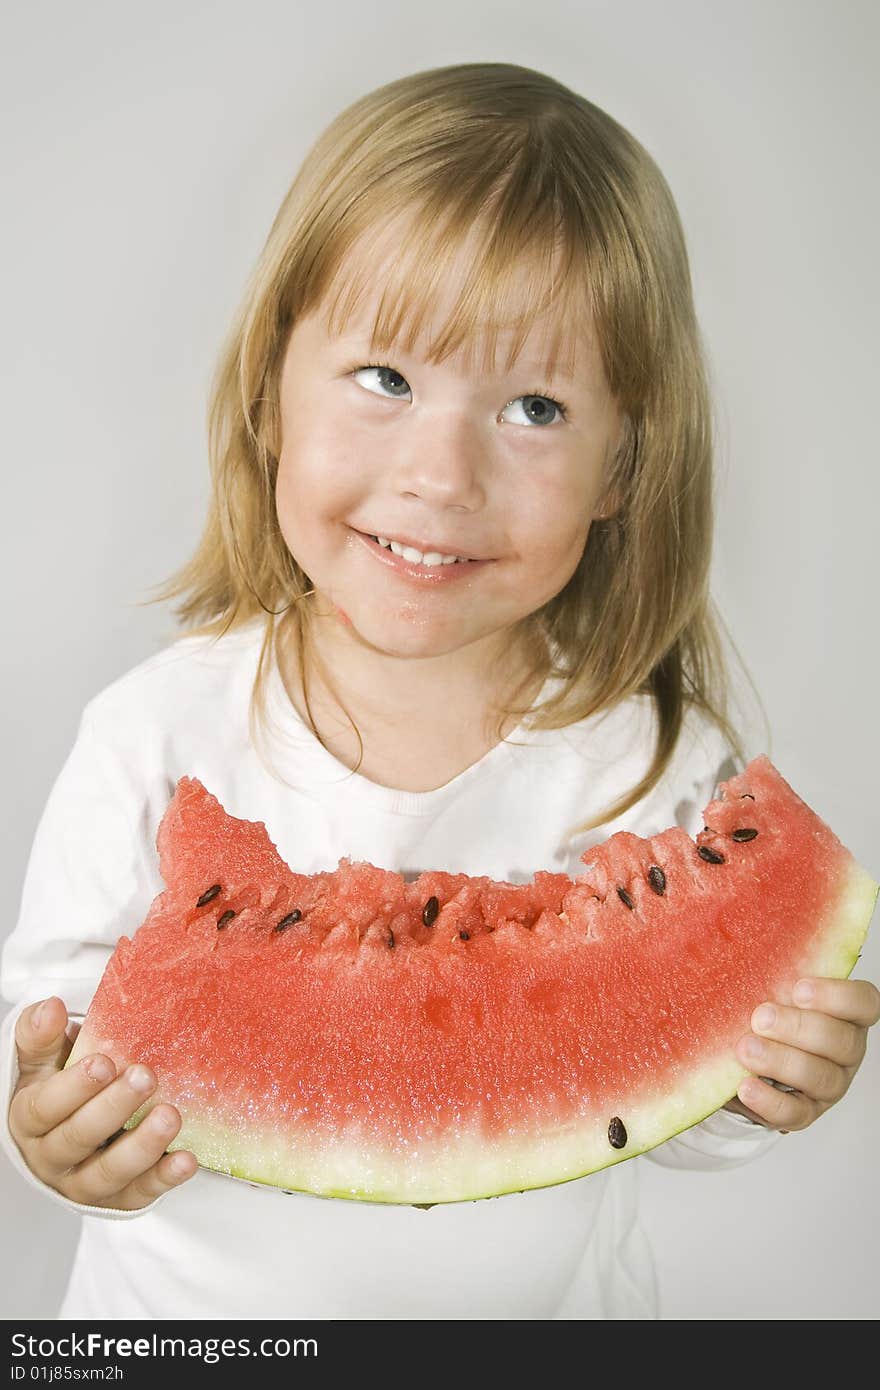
557	516
295	488
558	558
316	480
286	507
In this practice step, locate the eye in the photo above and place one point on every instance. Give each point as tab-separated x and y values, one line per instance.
537	410
385	371
539	407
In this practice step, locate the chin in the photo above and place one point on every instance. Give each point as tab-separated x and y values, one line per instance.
411	633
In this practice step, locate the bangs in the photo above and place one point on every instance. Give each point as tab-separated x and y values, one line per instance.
515	276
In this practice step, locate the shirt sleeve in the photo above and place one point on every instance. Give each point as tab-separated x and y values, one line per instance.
723	1139
90	878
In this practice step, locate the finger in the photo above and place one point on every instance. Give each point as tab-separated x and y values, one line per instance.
39	1106
824	1036
857	1001
171	1171
778	1109
77	1137
126	1162
736	1105
42	1044
816	1077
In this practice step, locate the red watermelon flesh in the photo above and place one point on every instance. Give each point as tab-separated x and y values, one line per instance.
350	1034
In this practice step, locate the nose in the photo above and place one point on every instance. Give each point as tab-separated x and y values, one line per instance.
442	459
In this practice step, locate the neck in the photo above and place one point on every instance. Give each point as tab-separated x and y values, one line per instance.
382	691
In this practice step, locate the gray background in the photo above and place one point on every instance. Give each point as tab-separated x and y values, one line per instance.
145	152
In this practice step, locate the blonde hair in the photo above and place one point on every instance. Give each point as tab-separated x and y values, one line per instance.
535	175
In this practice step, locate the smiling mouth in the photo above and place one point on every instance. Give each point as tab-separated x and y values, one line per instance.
431	559
432	569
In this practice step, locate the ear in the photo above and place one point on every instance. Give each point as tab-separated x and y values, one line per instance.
608	506
611	499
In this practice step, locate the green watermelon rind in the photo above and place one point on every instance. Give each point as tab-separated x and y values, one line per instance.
524	1164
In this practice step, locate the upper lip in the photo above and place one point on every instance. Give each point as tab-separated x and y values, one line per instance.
425	547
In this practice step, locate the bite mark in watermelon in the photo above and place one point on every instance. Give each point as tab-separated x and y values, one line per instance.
352	1035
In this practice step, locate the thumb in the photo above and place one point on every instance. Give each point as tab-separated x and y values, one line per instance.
43	1045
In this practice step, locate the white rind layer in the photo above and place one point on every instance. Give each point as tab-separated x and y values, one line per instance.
835	953
467	1166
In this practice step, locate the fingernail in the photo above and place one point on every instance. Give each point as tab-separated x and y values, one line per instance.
37	1014
750	1091
139	1078
765	1017
98	1068
803	992
754	1047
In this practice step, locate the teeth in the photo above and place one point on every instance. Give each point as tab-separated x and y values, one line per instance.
415	557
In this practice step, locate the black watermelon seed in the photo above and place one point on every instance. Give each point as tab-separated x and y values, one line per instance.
617	1133
746	834
657	878
208	895
625	898
711	856
430	911
465	935
227	917
391	940
288	921
747	794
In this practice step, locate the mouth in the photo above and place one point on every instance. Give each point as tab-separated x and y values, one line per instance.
432	566
423	554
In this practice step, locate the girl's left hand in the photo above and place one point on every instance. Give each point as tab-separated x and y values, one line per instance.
815	1049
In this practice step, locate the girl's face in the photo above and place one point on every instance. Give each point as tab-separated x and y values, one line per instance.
447	461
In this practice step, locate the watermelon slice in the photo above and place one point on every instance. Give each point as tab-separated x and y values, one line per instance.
353	1035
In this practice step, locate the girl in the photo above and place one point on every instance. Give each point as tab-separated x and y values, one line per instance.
456	561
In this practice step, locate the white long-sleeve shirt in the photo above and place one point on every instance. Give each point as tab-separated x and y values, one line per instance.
219	1248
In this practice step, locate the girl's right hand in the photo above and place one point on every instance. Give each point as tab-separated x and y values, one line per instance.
62	1120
